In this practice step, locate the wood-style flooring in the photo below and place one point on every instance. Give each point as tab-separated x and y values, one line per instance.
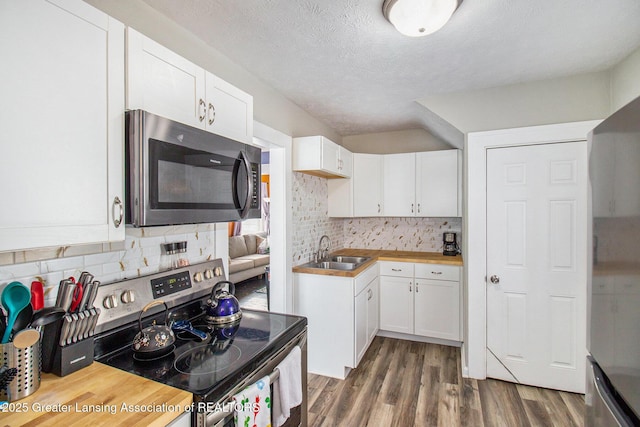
403	383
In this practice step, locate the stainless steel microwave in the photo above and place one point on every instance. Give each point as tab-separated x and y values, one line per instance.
178	174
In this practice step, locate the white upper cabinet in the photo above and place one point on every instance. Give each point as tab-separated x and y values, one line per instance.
319	156
400	184
438	183
62	124
367	185
229	110
426	184
164	83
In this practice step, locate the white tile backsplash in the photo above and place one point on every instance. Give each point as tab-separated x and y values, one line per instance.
139	254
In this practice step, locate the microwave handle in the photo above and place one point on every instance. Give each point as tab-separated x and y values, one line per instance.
247	204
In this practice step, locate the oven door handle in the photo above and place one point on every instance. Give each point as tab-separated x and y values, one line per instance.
213	418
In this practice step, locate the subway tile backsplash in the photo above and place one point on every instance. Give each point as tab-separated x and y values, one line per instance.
139	254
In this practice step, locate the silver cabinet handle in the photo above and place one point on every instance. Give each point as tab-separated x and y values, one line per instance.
202	107
396	269
117	221
370	294
378	207
418	207
494	279
417	288
211	109
411	207
410	286
436	272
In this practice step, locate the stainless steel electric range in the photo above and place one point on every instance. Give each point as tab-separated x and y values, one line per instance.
229	358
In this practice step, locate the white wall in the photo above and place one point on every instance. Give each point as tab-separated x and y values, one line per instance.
625	81
562	100
270	107
402	141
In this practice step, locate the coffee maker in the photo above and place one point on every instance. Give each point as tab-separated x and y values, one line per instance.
449	244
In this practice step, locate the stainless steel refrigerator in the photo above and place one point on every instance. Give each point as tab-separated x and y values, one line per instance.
613	368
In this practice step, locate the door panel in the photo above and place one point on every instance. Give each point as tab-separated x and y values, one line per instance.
536	256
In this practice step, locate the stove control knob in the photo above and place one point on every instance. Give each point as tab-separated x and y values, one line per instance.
110	302
208	274
217	272
128	296
198	277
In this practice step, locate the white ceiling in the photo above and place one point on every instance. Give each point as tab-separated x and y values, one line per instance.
341	61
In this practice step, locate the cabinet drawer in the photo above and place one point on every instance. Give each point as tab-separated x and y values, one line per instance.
398	269
437	272
363	279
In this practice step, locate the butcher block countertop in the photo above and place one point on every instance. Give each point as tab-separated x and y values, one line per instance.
380	255
97	395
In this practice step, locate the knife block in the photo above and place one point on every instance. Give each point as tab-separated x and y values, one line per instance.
71	358
62	361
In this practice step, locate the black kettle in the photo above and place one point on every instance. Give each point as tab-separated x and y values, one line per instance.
222	307
154	341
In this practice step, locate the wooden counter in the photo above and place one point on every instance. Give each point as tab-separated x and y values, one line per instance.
95	396
380	255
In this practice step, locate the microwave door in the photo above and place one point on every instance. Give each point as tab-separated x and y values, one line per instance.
242	185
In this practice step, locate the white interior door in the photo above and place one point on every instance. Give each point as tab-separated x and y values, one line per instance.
536	264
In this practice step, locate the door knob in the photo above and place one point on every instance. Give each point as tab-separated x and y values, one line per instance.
494	279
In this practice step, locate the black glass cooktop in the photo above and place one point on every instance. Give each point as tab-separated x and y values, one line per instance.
205	368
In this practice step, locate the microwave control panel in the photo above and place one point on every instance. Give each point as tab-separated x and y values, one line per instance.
255	176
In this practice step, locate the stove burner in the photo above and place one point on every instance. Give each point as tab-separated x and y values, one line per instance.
138	356
207	359
254	334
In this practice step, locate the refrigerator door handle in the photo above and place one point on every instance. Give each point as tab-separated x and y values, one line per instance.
612	406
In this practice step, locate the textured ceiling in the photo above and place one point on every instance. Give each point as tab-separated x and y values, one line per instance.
341	61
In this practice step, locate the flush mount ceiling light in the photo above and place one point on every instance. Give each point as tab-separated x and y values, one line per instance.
417	18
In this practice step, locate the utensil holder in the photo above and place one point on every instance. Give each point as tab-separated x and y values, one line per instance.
27	361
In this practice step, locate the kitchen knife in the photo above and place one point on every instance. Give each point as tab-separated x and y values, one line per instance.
67	290
79	327
86	293
72	328
64	331
94	293
94	322
77	298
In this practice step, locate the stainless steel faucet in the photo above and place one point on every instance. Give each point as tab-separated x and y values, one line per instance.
323	253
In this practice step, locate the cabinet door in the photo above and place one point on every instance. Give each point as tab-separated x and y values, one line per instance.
396	304
373	310
437	309
62	124
229	110
361	325
367	184
164	83
437	183
399	184
345	162
330	156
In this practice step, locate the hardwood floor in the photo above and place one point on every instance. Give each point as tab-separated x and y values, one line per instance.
403	383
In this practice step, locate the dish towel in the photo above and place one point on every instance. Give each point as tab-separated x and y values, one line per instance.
253	405
287	390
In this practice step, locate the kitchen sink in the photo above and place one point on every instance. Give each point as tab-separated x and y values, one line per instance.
349	259
344	263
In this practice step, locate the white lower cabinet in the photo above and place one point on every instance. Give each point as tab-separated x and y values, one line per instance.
342	315
420	299
366	318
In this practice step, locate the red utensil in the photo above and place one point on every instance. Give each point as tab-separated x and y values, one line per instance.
77	297
37	295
